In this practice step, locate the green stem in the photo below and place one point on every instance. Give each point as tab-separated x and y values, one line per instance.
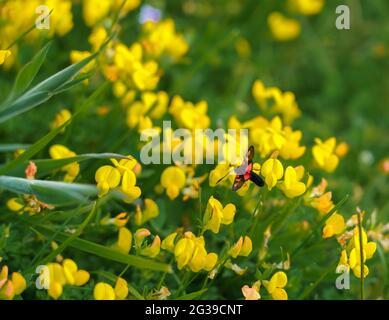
362	263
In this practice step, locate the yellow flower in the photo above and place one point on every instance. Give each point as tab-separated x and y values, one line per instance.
140	235
342	149
190	251
273	171
9	288
61	19
168	242
58	151
173	180
215	215
103	291
77	56
19	283
146	76
242	247
121	219
124	241
128	186
343	260
60	118
149	211
95	10
323	204
107	177
4	54
121	289
252	293
291	149
276	286
268	136
153	249
368	250
334	225
13	204
161	38
128	5
97	37
65	274
324	154
210	261
216	175
189	115
133	70
126	164
283	28
292	186
306	7
73	275
183	252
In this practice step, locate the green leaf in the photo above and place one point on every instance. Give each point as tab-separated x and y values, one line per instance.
52	192
28	73
258	274
192	295
107	253
57	83
46	166
5	147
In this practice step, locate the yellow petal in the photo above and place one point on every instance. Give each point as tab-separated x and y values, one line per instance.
279	294
124	240
55	290
279	279
121	289
247	247
168	242
18	282
81	277
228	214
370	249
103	291
210	261
236	248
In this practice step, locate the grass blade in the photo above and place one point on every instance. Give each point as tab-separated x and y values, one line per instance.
52	192
192	295
9	147
28	73
108	253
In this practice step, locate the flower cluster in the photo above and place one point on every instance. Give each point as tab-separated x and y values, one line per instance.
122	173
60	275
9	288
189	251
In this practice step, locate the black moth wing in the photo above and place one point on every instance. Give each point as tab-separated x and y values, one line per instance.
250	155
256	179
